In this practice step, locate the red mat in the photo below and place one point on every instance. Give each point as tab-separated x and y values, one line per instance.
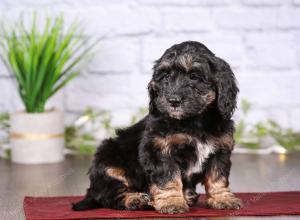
256	204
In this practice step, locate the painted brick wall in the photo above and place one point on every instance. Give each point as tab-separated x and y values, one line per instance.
259	38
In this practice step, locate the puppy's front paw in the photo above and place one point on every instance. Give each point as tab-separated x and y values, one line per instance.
173	206
224	202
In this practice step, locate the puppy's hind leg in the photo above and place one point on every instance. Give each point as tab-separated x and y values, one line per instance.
127	198
111	189
105	190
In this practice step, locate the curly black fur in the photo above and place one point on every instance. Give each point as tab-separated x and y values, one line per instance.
187	134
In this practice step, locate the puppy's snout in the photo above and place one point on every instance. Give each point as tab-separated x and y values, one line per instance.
174	101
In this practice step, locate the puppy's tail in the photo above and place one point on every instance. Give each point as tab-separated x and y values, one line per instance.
86	204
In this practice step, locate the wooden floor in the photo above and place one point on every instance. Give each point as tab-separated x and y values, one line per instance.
250	173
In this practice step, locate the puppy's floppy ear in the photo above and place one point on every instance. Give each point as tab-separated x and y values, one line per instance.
226	86
152	95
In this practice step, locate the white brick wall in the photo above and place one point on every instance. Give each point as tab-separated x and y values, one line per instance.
259	38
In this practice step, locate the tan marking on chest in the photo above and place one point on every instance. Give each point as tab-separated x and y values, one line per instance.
165	143
224	140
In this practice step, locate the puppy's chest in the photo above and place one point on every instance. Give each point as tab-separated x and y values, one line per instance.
189	152
203	151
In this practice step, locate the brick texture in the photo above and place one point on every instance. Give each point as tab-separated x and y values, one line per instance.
259	38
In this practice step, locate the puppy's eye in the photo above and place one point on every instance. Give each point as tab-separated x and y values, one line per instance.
161	76
199	77
194	76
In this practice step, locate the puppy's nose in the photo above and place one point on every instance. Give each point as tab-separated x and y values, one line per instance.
174	101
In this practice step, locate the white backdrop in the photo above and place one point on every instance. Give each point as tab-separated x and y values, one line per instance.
259	38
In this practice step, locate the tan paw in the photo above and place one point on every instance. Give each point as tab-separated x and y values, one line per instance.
224	202
173	209
134	201
173	206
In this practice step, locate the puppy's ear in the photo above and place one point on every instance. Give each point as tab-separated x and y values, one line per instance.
152	95
226	86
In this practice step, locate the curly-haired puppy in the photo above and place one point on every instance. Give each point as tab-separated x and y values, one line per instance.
186	139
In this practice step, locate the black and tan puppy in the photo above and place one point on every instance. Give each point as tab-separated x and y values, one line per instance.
186	139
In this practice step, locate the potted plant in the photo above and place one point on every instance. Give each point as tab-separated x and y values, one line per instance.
42	62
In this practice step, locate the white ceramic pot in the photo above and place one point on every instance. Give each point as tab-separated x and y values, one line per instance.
37	137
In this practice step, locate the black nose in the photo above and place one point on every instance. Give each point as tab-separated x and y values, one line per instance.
174	101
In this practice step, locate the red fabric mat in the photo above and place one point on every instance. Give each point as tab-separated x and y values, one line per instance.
256	204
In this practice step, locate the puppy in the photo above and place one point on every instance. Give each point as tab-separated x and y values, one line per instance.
186	139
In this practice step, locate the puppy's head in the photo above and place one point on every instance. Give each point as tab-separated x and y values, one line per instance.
189	78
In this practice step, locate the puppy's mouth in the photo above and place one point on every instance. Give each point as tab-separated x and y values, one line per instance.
176	112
